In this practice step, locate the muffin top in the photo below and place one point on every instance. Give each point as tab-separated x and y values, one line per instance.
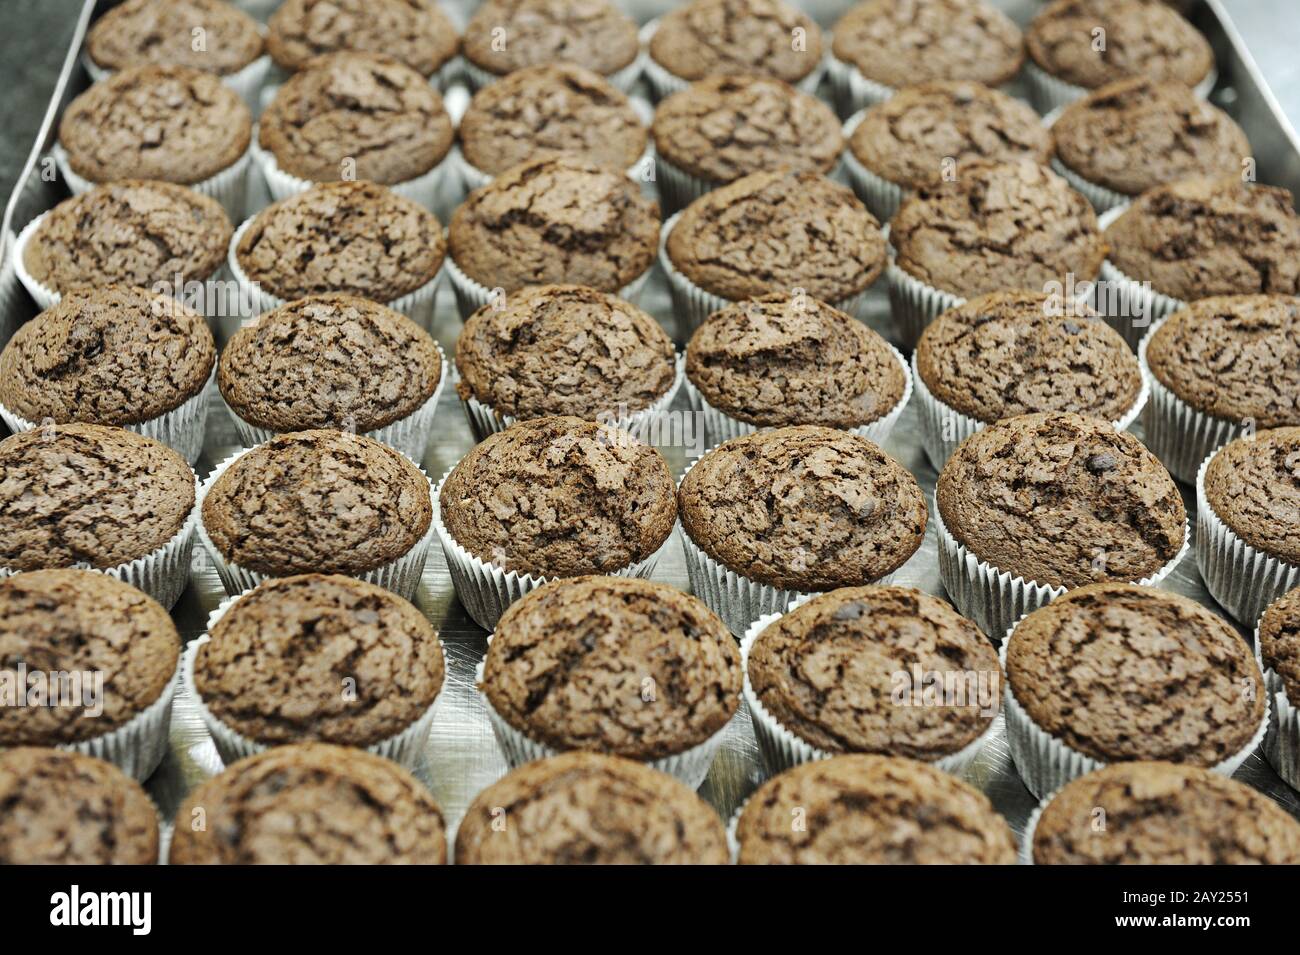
1142	38
1121	672
997	226
1234	357
1013	353
80	621
590	33
172	123
416	32
909	137
368	108
589	809
863	809
762	37
279	655
311	803
66	808
133	232
564	350
161	33
539	112
613	665
1279	640
1138	132
725	127
904	42
353	237
88	494
562	219
777	232
1162	814
328	361
1204	236
828	671
804	508
560	497
1062	500
1253	485
789	359
317	501
119	355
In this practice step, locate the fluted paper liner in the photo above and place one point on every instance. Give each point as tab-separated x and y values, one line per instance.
880	195
1047	92
1154	306
853	92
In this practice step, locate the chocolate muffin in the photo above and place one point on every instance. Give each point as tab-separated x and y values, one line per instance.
562	219
728	37
64	808
827	671
82	622
172	123
1205	236
353	237
785	359
775	232
161	33
1253	485
560	497
590	33
804	508
588	809
861	809
905	42
311	804
88	494
1279	641
369	108
564	350
416	32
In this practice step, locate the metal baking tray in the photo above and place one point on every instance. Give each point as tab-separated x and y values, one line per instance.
461	756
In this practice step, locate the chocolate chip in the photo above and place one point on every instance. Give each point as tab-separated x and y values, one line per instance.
1101	463
1071	328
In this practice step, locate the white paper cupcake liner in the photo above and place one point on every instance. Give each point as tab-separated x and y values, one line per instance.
880	195
1282	745
247	82
664	83
1132	307
622	80
401	575
679	188
853	92
472	177
1102	198
1047	92
913	304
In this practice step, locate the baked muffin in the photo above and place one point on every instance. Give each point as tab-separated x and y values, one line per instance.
863	809
161	33
310	804
712	37
590	33
416	32
1162	814
68	809
588	809
1279	641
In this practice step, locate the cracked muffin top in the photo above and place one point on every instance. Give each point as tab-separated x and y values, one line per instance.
909	137
359	238
805	508
539	112
1012	353
1279	641
416	32
725	127
613	665
777	232
1162	814
590	33
1204	236
1062	500
88	494
68	809
860	809
280	657
560	497
328	361
564	350
317	501
171	123
562	219
785	359
162	33
311	804
998	226
1253	485
589	809
365	107
758	37
1120	672
905	42
80	621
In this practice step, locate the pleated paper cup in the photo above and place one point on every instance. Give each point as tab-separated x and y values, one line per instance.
623	79
1047	92
1282	745
228	186
663	83
679	188
247	82
914	304
1102	198
880	195
473	178
853	92
1139	305
41	294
